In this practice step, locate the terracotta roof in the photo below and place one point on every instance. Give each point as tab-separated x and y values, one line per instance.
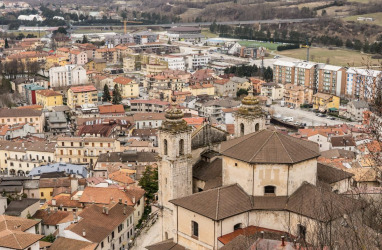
364	174
11	239
122	177
16	207
330	174
209	172
268	146
250	230
122	80
218	203
103	130
128	156
194	120
65	201
87	88
52	183
98	225
53	218
148	116
31	107
342	141
48	92
166	245
105	109
13	235
107	195
85	139
6	112
307	200
39	146
16	223
70	244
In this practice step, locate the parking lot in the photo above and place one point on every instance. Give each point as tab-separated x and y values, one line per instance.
303	116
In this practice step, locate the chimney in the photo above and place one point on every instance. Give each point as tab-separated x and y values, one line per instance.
134	199
53	202
262	234
103	209
106	210
283	241
84	233
22	144
124	210
120	201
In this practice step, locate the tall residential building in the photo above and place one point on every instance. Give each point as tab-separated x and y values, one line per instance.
283	72
331	80
82	95
362	83
305	74
67	75
174	62
294	95
144	37
197	61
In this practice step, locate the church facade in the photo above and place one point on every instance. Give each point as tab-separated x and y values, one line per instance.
210	187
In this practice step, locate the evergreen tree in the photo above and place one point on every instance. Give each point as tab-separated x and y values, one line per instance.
268	74
85	39
149	182
6	43
117	98
106	94
349	44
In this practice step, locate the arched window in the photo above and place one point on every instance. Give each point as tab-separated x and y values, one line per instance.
181	147
195	229
164	147
269	190
257	127
237	226
241	129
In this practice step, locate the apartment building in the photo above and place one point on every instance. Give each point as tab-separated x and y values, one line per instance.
128	87
82	95
48	98
78	57
84	149
110	55
34	117
174	62
305	74
326	102
67	75
117	39
295	96
153	106
331	80
272	90
283	72
197	61
144	37
362	83
19	158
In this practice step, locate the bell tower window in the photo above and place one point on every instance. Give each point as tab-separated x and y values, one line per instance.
269	190
181	147
165	147
241	129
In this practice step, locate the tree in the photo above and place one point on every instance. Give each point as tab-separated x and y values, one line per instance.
61	30
117	98
357	44
6	43
49	238
106	94
349	44
85	39
268	74
149	182
241	92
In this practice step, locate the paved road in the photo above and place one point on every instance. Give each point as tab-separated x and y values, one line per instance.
272	21
303	116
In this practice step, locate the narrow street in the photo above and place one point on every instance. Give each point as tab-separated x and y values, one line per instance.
149	236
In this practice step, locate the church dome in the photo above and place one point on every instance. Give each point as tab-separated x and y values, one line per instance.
250	106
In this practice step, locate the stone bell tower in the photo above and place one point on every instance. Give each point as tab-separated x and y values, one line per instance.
175	168
250	117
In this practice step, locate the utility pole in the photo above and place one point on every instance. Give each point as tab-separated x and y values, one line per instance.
124	26
307	48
